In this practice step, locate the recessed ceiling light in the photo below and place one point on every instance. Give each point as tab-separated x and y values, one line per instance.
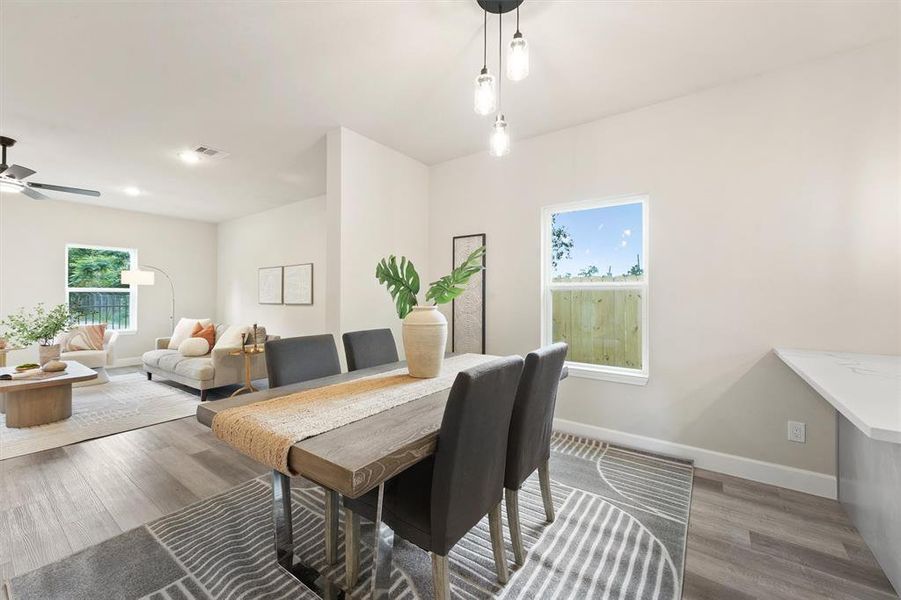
189	156
132	191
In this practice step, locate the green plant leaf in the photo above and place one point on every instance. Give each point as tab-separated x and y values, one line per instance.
402	282
453	285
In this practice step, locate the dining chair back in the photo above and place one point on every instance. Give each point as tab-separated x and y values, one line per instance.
434	503
296	359
369	348
468	476
531	427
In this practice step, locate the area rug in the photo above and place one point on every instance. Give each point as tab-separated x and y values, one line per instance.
127	402
620	531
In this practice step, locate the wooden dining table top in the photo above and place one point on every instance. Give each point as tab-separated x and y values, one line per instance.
357	457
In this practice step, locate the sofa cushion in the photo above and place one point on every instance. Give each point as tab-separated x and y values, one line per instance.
194	346
231	337
153	357
93	359
200	368
183	330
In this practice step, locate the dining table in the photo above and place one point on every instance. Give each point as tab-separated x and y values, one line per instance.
349	461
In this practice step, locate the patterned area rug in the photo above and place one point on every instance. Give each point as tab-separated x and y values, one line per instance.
127	402
619	534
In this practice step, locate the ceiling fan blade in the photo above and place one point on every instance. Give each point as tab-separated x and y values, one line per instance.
62	188
18	172
34	194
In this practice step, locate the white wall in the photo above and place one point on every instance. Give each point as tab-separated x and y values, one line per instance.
774	222
33	238
287	235
378	205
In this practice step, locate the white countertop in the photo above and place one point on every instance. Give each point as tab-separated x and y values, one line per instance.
864	388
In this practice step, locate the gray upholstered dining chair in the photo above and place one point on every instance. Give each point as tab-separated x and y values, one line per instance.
529	441
369	348
434	503
296	359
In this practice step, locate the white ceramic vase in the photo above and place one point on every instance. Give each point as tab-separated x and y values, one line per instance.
425	337
47	353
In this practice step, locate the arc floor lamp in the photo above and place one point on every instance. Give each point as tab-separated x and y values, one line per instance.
140	276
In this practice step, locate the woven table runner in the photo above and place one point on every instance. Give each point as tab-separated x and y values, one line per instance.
266	430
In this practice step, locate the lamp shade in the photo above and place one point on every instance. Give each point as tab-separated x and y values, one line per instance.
137	277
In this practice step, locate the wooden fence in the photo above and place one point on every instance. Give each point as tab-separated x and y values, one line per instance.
602	327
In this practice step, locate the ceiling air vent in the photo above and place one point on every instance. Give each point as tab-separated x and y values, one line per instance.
208	152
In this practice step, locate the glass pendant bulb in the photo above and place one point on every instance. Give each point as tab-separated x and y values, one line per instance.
518	58
485	94
499	142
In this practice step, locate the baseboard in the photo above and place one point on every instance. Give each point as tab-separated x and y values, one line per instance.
130	361
810	482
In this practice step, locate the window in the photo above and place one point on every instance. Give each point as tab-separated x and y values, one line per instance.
594	289
94	289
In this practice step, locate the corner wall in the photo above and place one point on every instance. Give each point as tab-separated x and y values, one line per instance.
378	205
290	234
774	221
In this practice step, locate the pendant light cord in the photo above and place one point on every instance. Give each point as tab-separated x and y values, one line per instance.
500	57
485	43
517	19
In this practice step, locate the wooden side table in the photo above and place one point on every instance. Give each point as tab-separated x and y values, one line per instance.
248	352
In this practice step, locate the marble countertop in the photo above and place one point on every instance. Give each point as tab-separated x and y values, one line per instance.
864	388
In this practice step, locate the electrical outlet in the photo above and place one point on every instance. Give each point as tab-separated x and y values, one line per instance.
797	432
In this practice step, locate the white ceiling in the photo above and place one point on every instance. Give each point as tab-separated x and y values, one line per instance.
103	95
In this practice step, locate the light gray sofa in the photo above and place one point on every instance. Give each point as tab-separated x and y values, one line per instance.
202	373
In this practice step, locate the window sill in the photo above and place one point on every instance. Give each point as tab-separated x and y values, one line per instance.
125	331
611	374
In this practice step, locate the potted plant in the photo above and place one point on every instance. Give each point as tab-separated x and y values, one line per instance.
424	328
41	326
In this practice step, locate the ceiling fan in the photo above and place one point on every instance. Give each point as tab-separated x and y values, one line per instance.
12	176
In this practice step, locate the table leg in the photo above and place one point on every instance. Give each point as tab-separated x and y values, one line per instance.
284	542
383	551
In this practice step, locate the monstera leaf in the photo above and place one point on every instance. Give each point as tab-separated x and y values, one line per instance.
402	281
451	286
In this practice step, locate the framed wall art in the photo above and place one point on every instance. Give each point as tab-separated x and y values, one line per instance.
299	284
468	310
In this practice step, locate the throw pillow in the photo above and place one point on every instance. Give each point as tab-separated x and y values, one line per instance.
207	332
194	346
231	337
183	331
85	337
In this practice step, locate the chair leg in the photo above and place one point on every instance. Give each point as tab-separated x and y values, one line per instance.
544	477
497	542
331	527
149	375
512	498
351	547
203	394
440	577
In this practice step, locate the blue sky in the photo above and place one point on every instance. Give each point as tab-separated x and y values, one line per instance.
610	236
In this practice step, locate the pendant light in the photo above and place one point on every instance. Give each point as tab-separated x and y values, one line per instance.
499	141
518	55
485	101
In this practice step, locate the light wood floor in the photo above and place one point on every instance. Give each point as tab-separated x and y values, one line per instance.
746	540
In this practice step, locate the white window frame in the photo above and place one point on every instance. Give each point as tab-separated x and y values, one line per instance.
132	290
587	370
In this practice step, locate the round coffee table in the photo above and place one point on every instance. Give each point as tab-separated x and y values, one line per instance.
29	402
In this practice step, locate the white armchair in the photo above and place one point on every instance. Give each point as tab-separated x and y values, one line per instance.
96	359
